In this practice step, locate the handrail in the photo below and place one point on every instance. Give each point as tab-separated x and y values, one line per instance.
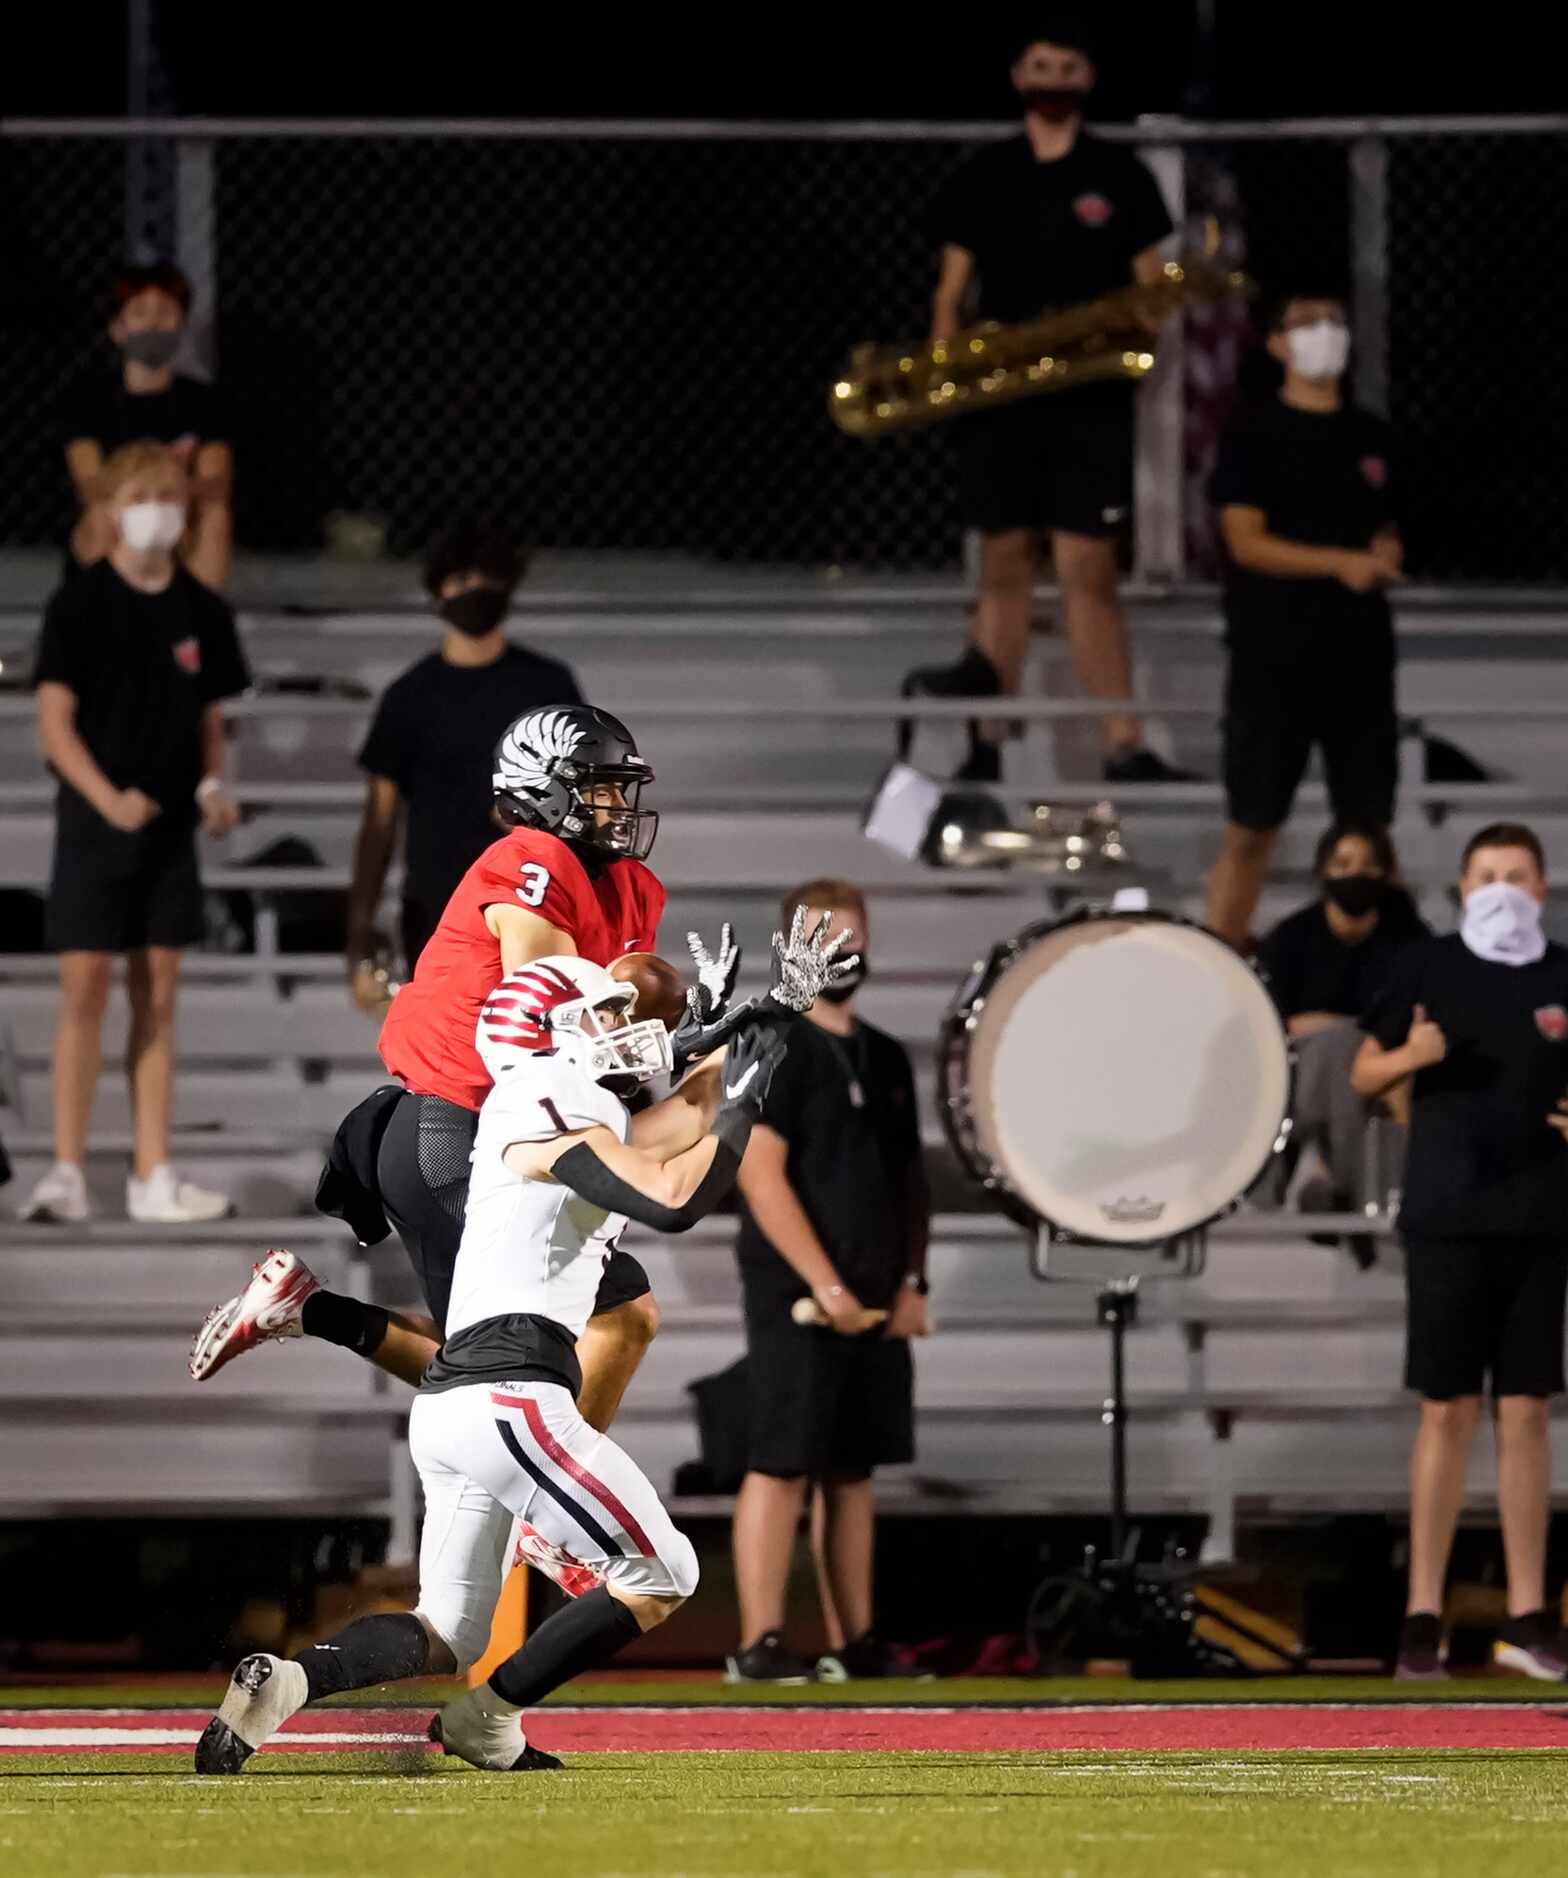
1145	130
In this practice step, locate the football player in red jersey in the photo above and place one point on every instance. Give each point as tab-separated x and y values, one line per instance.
567	878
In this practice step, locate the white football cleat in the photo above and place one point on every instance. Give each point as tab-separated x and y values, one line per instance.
268	1308
262	1694
163	1199
488	1733
532	1548
60	1198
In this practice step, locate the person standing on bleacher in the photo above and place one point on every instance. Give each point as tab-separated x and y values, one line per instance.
1479	1018
1311	544
134	660
427	757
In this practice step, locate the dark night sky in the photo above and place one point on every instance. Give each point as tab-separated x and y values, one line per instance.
1312	57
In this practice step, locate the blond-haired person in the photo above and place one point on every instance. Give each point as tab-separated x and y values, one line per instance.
134	659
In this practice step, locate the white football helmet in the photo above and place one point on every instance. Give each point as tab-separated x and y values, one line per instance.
554	1004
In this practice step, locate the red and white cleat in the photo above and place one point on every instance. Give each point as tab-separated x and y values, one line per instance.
532	1548
268	1307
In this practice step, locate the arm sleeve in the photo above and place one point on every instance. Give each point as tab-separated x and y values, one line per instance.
57	661
1148	219
582	1170
387	749
1388	1017
224	673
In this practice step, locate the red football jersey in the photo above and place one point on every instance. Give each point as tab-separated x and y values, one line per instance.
428	1036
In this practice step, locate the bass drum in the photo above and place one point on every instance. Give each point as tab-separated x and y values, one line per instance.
1122	1077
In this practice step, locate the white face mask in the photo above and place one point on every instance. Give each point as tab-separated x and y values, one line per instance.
1319	350
145	525
1502	924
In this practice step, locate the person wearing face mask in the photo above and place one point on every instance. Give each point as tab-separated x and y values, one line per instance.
427	754
148	398
1302	486
1325	965
1041	221
1480	1020
836	1210
133	663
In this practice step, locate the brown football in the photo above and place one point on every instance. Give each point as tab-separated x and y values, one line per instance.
660	992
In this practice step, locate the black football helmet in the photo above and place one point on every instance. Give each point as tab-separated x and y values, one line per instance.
548	759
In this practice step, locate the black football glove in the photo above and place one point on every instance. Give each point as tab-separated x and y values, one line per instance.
749	1064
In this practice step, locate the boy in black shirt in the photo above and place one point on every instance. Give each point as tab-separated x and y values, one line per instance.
133	660
1044	221
835	1209
147	398
1302	488
1481	1020
428	753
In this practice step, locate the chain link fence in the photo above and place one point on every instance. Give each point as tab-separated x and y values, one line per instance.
622	340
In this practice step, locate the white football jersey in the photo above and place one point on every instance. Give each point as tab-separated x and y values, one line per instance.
533	1246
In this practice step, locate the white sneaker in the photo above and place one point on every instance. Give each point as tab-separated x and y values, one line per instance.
163	1199
268	1307
486	1732
263	1693
60	1197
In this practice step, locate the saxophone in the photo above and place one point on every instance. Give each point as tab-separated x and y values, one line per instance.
888	388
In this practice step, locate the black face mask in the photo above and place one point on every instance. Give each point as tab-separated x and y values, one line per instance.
1055	103
849	984
1355	894
155	346
477	612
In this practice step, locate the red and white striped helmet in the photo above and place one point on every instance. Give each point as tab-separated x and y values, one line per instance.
553	1004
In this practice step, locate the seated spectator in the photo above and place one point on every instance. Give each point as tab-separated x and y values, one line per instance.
1302	488
429	753
133	660
147	398
1326	965
835	1208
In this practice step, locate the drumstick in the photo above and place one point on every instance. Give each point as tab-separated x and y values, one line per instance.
810	1314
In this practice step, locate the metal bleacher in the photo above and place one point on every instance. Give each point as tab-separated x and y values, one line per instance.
1270	1387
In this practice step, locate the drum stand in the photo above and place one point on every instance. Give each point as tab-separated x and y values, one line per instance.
1113	1605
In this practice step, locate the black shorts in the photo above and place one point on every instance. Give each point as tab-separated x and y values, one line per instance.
1485	1309
422	1174
1050	462
824	1405
1275	712
114	892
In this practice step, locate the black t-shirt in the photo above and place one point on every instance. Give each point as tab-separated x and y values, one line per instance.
1320	478
143	666
1483	1162
434	734
846	1107
1310	968
1049	234
105	411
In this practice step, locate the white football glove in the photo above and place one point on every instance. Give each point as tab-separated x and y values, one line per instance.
806	964
708	999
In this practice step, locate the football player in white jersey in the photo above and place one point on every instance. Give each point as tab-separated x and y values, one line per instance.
559	1166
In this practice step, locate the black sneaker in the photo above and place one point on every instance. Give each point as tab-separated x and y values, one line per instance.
867	1656
769	1659
1141	765
1532	1645
1423	1655
983	763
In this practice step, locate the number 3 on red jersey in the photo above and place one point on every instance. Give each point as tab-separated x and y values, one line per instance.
536	884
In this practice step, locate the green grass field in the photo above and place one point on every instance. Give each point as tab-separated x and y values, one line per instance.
1448	1813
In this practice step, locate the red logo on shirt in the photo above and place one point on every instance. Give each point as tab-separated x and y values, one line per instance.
1375	470
187	655
1552	1022
1093	210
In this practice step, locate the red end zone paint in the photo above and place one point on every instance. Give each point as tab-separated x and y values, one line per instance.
1096	1729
